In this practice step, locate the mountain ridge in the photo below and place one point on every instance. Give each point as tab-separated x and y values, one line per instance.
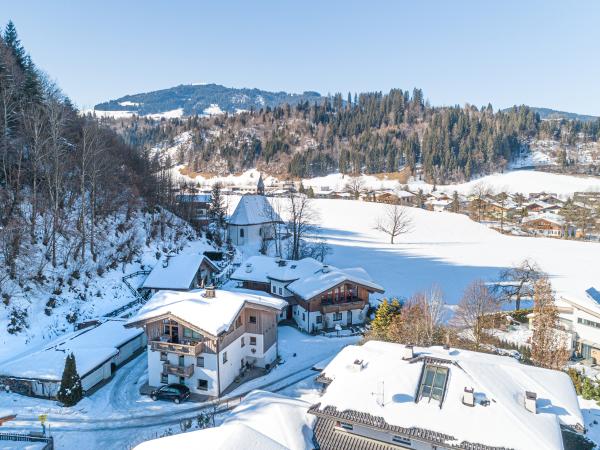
203	99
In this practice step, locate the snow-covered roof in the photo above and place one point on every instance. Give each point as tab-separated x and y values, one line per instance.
549	217
253	210
263	421
308	276
91	347
263	268
213	315
194	198
179	273
384	385
328	277
404	194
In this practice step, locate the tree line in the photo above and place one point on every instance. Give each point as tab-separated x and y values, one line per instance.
366	133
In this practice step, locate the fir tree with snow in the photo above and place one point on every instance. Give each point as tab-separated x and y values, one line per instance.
70	391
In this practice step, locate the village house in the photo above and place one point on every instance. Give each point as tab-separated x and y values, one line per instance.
253	221
547	224
181	272
384	396
205	339
194	207
99	347
318	296
580	318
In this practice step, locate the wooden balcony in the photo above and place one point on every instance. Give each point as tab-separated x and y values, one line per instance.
330	306
180	371
180	349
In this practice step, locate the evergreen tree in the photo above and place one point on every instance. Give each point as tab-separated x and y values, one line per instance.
383	318
216	210
455	205
70	391
11	39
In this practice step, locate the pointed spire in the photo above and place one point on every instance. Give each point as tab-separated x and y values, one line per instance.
260	187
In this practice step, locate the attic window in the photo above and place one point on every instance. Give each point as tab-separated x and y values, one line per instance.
433	383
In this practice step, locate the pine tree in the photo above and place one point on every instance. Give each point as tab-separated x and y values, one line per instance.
11	39
455	205
216	210
70	391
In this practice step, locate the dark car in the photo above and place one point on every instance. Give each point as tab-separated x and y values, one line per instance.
176	392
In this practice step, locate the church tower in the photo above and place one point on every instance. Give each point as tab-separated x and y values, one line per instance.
260	187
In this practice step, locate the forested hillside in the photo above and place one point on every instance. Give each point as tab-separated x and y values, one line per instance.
76	202
368	133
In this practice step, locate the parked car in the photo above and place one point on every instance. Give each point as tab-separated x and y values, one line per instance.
176	392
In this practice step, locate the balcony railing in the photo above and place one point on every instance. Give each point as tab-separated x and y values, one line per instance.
180	371
342	304
180	349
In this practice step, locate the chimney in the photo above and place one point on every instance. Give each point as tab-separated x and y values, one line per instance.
248	267
325	268
209	292
281	262
165	263
408	352
530	402
468	397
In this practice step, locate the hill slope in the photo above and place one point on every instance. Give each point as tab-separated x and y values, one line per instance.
203	99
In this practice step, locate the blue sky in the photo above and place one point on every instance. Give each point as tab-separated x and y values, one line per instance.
542	53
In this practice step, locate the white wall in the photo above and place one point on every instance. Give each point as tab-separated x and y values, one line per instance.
307	322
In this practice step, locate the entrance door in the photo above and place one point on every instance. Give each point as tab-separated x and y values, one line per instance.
349	317
181	361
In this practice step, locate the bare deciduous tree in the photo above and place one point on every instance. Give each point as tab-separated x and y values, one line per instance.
477	302
355	186
479	193
548	342
301	219
394	221
517	282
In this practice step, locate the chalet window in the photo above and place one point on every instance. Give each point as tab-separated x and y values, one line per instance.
203	385
164	378
200	361
433	383
242	342
337	316
280	291
252	319
224	357
319	319
401	440
241	232
252	340
345	426
182	380
303	316
238	322
274	289
164	356
191	334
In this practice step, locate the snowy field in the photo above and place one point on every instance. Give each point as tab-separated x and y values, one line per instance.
446	249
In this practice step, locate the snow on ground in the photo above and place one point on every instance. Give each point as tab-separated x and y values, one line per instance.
446	249
523	181
591	419
213	110
116	416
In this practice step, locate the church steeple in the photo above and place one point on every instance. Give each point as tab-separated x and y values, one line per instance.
260	187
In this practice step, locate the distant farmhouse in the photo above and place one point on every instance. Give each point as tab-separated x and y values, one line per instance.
385	396
206	338
99	350
318	296
195	207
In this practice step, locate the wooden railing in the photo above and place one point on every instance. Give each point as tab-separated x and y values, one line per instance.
180	371
342	305
180	349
